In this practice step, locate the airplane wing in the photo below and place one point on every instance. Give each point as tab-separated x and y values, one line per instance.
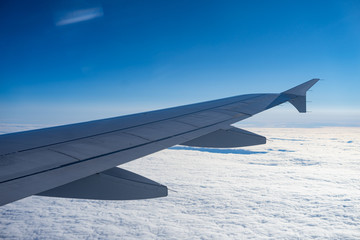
79	160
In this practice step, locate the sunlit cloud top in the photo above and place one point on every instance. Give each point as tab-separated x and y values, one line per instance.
79	16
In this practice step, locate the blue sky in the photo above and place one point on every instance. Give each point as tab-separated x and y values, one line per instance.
69	61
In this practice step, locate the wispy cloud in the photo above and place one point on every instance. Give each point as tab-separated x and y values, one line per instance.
79	16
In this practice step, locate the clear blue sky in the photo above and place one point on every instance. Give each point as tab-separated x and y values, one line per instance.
69	61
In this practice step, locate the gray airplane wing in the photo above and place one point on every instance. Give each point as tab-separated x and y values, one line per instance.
79	160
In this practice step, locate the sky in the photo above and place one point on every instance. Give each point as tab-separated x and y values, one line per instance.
70	61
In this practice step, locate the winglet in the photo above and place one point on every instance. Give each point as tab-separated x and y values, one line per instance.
297	95
301	89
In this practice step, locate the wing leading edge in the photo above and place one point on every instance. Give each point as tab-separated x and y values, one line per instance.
78	160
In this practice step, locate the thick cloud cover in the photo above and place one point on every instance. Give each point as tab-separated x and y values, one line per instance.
303	184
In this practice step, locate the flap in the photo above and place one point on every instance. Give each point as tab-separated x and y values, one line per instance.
229	138
113	184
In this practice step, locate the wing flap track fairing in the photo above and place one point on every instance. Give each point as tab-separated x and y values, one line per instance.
229	138
113	184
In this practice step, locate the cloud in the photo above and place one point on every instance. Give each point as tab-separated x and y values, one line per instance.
13	127
81	15
306	186
218	150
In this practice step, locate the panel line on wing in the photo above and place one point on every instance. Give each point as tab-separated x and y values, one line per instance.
68	155
134	135
229	112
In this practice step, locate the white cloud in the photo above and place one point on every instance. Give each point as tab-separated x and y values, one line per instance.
81	15
305	185
13	127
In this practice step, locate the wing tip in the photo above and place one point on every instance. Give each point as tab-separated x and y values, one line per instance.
298	94
300	90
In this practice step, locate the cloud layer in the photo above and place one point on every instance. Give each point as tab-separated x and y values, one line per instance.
303	184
